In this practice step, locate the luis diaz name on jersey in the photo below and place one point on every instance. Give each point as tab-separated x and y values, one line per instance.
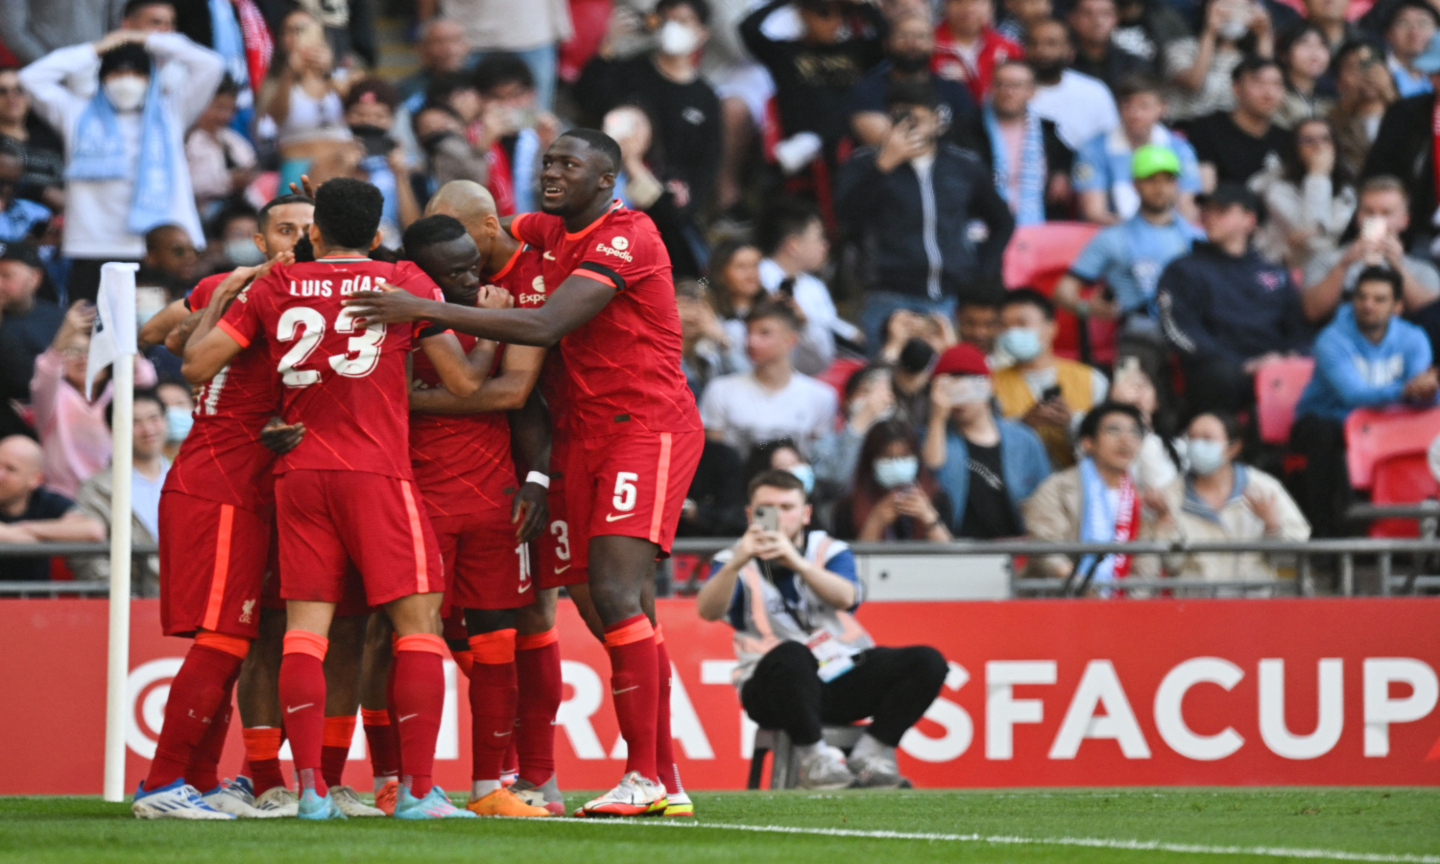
616	247
325	287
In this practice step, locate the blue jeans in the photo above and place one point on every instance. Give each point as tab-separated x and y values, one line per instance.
542	62
878	306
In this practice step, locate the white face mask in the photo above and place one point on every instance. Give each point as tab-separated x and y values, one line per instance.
127	92
243	252
677	39
896	471
1205	456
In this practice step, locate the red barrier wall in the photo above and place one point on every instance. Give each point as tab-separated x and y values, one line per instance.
1041	693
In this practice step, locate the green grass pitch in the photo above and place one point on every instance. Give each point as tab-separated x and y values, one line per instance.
1131	825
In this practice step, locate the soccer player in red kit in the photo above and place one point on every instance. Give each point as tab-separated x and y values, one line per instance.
635	433
219	500
466	474
345	495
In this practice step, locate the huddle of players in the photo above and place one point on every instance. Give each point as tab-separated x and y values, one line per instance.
404	491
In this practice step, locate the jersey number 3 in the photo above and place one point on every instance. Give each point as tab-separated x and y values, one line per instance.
305	327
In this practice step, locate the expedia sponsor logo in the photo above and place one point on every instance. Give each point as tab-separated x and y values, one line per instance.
617	248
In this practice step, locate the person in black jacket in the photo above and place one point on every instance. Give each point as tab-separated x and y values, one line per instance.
914	200
1405	148
1226	309
813	75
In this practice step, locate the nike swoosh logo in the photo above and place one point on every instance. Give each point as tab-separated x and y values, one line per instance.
298	707
524	588
499	734
409	717
559	570
548	257
613	518
614	692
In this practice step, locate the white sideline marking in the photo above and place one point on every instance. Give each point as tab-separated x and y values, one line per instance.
1007	840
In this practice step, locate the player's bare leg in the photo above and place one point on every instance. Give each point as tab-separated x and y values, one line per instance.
302	696
380	735
619	569
342	700
419	698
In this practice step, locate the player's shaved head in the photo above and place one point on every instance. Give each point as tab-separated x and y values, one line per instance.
20	474
466	200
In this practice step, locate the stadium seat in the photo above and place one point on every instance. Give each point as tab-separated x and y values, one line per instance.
1404	479
839	372
785	765
1374	436
1278	385
1038	255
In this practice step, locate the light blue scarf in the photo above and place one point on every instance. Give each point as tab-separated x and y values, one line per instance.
1098	524
99	154
1030	209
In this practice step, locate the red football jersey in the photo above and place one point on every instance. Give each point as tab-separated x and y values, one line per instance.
462	461
222	458
346	383
622	367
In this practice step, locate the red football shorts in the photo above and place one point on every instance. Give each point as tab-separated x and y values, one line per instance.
488	567
629	485
212	563
353	603
555	560
332	519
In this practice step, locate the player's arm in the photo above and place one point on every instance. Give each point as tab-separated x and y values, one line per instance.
578	299
209	348
506	391
530	438
451	364
180	336
158	328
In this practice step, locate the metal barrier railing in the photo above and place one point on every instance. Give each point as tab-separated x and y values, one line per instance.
1383	551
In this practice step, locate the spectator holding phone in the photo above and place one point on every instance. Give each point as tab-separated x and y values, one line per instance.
987	465
803	659
891	498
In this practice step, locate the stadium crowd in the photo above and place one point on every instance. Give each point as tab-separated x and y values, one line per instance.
842	187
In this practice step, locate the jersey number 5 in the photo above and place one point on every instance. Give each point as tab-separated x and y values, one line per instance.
305	327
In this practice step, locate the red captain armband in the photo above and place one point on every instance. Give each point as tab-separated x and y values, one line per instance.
600	273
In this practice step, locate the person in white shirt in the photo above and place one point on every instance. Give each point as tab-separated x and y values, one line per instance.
1080	106
772	400
793	239
119	134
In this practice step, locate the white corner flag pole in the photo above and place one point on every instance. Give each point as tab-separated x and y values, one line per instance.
114	343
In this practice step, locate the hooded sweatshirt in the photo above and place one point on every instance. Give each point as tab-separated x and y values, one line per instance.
1351	372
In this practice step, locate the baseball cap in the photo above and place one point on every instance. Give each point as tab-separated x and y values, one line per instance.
22	252
1153	159
1227	194
1428	63
962	359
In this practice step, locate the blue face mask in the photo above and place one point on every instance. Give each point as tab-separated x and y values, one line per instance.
1205	457
806	474
1022	343
177	423
896	472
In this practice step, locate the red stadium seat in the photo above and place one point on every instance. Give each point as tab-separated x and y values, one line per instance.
1278	385
1401	480
1372	437
1038	255
839	372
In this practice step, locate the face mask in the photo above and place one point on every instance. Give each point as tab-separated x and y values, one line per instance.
805	474
243	253
177	423
899	471
677	39
1022	343
915	357
126	92
967	389
910	64
1205	456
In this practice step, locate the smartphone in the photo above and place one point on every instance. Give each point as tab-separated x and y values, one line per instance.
767	517
1051	392
1374	228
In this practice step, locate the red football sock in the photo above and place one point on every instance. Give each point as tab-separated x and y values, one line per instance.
390	709
336	748
203	772
198	697
464	660
635	686
537	663
379	736
664	743
419	701
262	753
510	765
493	695
302	695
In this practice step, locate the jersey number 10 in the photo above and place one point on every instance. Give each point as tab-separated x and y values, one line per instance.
305	327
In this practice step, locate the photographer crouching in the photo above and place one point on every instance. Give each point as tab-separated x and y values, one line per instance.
804	660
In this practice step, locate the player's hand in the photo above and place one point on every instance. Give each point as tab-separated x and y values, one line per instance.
494	297
387	306
530	510
306	188
279	437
